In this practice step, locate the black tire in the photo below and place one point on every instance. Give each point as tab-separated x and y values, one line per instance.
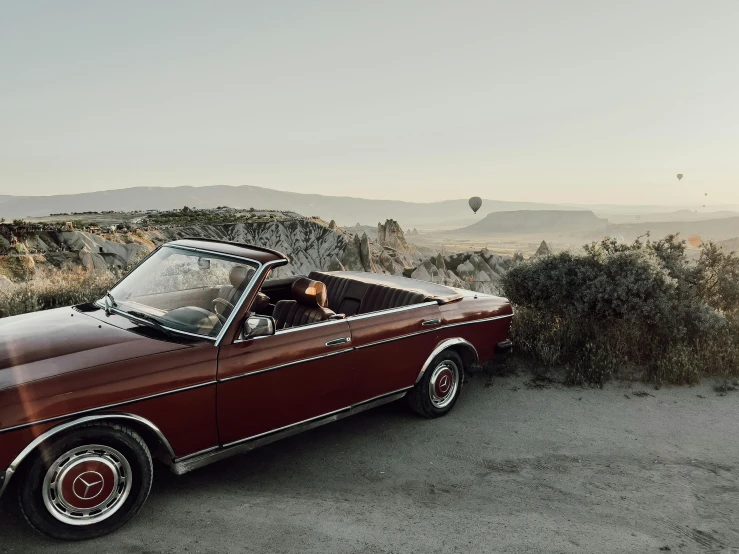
86	463
427	398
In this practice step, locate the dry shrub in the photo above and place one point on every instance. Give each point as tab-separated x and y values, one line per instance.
640	306
57	289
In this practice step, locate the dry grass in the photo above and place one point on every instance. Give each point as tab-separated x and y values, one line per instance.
55	290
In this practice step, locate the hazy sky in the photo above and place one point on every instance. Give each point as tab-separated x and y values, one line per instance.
577	101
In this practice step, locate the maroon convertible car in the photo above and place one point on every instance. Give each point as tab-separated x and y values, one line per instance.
197	355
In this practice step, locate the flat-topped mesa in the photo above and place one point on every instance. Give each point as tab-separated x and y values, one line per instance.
391	235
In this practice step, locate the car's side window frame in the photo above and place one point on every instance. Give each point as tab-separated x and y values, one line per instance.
238	315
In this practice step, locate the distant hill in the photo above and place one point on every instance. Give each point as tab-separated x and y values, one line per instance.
714	229
730	245
524	222
679	215
345	210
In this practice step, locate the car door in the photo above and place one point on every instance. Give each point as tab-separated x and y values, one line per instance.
273	382
391	346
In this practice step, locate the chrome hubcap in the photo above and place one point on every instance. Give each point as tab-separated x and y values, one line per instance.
444	384
87	484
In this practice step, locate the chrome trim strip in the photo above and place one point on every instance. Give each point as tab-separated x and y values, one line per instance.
7	475
443	346
198	453
106	407
309	326
391	311
435	329
206	457
292	330
430	322
336	342
475	321
291	425
370	400
64	426
263	268
273	368
393	339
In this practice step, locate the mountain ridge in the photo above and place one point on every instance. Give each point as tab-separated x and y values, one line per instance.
346	210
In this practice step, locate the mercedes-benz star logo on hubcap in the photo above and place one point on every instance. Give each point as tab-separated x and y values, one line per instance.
88	485
444	384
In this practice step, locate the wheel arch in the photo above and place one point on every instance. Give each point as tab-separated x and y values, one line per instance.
463	347
150	433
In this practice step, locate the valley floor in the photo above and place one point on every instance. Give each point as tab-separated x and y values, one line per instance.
514	468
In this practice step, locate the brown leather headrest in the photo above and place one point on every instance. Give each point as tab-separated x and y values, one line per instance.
309	292
239	274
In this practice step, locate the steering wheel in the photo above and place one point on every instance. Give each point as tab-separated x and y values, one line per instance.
217	303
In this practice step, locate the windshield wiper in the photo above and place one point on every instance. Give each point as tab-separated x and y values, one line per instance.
109	302
149	320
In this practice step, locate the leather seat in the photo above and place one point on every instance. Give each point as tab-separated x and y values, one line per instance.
308	306
351	296
239	276
382	297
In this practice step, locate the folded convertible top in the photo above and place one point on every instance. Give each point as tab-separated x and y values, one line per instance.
432	291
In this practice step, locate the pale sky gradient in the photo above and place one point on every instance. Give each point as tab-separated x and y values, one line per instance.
571	101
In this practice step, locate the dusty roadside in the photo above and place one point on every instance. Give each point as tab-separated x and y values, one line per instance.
511	469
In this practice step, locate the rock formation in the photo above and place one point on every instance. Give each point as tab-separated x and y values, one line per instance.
365	253
543	250
391	235
309	243
480	271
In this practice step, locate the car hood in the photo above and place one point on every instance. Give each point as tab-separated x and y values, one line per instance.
48	343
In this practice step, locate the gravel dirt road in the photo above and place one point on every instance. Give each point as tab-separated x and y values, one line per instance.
511	469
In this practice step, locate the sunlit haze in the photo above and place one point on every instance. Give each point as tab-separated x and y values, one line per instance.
574	101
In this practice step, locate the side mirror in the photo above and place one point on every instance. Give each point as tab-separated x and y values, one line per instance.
259	326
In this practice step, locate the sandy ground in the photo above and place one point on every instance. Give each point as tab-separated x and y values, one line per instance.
511	469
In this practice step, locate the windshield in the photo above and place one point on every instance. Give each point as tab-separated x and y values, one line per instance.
183	290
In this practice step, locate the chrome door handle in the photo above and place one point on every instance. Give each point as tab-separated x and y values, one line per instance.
335	342
431	322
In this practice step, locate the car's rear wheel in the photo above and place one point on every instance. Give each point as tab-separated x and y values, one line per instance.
438	390
86	483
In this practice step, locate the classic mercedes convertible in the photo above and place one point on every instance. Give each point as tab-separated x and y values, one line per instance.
198	354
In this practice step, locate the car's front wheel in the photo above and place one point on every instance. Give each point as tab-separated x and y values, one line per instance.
86	483
438	390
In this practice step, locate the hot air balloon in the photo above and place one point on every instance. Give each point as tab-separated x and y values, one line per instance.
679	176
705	194
695	240
475	203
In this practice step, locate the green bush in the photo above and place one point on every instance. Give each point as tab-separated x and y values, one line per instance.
642	307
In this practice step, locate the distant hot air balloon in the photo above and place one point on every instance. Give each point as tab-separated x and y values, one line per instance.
695	240
475	203
679	176
705	194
